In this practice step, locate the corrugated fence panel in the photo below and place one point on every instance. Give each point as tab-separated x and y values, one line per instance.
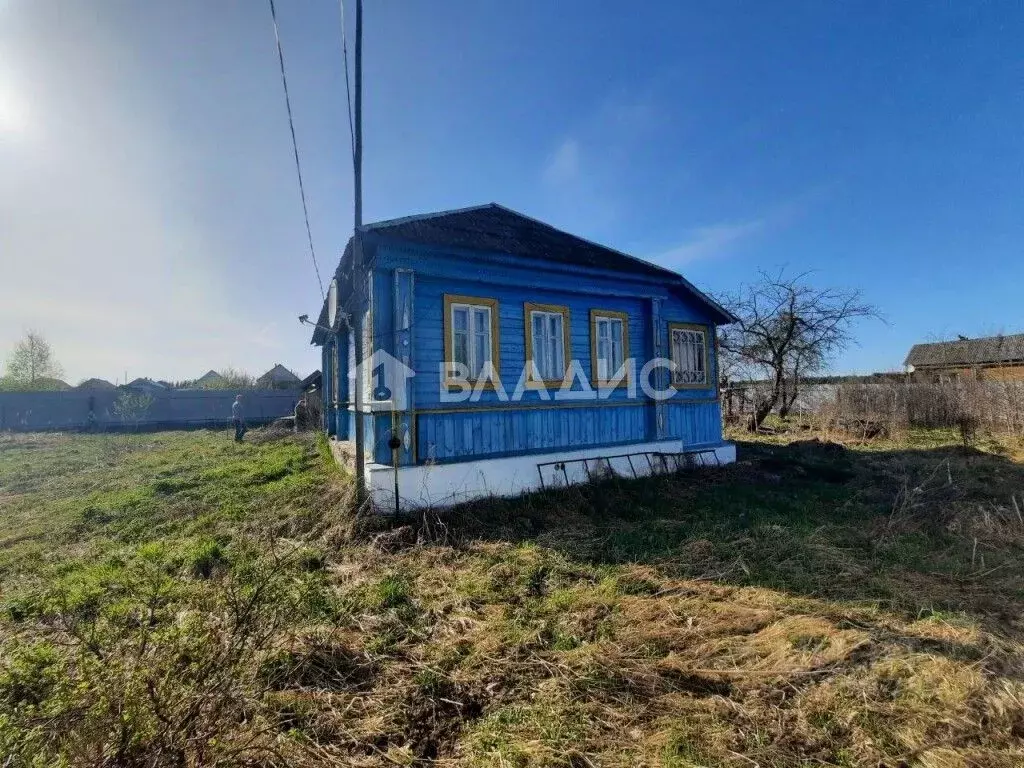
26	411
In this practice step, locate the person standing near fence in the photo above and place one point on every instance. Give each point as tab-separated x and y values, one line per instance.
301	414
238	418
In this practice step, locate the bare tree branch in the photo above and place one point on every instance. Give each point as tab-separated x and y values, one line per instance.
787	330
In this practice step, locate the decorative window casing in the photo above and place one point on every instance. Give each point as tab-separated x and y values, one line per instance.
470	336
688	346
609	346
547	342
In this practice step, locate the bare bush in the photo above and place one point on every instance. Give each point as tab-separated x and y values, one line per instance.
893	406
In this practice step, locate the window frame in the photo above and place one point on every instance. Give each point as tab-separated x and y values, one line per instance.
452	300
529	308
705	331
607	314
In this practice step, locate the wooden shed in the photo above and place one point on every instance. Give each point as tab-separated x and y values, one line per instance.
993	358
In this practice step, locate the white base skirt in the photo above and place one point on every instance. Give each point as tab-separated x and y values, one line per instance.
442	485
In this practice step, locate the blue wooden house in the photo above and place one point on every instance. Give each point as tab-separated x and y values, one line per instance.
503	355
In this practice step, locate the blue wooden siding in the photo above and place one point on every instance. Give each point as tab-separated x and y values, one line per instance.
429	332
412	281
478	434
675	310
695	423
327	389
402	322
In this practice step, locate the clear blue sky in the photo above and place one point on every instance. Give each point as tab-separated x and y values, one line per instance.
150	220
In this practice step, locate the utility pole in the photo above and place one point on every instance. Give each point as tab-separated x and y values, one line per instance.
358	278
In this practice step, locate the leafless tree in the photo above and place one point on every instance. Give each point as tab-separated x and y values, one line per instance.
787	330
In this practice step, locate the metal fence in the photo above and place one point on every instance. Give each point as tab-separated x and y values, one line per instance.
176	408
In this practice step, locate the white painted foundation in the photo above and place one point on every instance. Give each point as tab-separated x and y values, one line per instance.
441	485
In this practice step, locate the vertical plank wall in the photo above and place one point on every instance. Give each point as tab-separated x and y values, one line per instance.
445	431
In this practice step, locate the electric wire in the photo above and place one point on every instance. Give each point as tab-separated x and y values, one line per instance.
348	88
295	148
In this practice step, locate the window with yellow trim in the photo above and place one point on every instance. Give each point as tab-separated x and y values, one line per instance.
547	341
689	349
470	335
609	344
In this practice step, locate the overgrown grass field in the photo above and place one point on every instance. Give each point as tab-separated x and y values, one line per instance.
176	599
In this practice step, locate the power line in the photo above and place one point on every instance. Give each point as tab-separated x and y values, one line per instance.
295	147
348	88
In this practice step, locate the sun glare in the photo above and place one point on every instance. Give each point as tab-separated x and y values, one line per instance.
13	111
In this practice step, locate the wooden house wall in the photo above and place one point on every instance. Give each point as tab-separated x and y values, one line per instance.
1002	373
445	431
1013	372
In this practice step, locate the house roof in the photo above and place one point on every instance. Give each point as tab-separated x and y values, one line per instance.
96	384
313	381
210	375
145	383
497	229
992	349
278	375
51	383
493	228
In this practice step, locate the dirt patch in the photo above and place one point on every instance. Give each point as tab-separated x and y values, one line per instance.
322	663
435	719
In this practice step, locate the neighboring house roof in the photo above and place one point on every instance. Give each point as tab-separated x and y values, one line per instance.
49	384
313	381
210	377
278	375
992	349
493	228
144	383
96	384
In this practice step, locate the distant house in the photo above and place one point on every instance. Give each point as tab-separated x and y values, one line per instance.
97	384
146	385
210	380
312	388
278	377
313	383
49	384
993	358
502	355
